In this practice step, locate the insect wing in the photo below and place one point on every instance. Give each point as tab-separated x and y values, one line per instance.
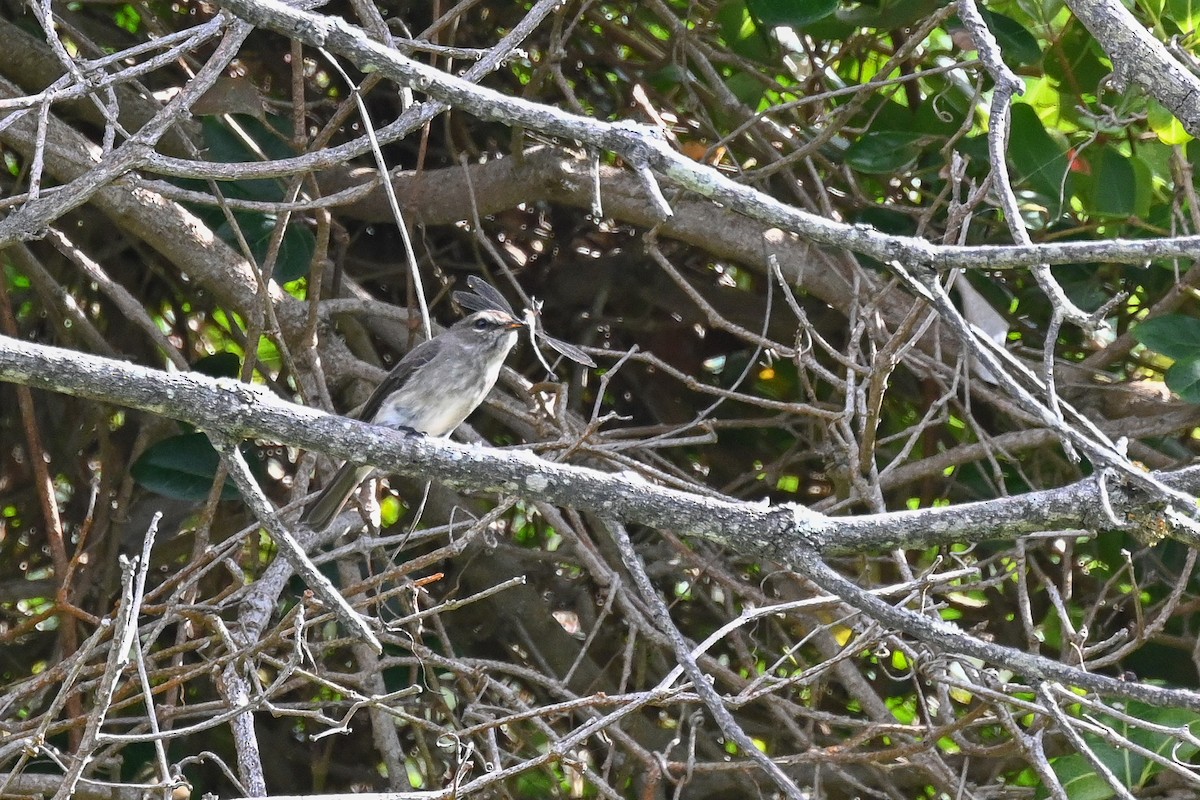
483	297
567	349
473	302
489	293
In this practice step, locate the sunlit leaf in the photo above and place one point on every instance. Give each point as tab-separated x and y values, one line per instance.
1166	126
740	31
127	18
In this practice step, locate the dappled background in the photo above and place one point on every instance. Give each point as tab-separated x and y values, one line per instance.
733	360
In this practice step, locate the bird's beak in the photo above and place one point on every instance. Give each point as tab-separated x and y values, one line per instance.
513	325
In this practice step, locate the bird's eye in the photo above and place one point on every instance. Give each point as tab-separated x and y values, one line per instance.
481	325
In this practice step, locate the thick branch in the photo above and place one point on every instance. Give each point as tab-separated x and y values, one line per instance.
780	532
1138	57
638	145
791	534
948	637
442	197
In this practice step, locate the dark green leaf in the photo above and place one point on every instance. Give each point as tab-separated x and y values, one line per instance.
1018	45
670	76
884	152
1173	335
228	148
1143	181
1135	771
792	13
746	88
740	31
1161	743
1114	189
1079	779
888	14
219	365
1083	285
888	220
1183	378
295	252
1040	159
1193	153
945	117
183	467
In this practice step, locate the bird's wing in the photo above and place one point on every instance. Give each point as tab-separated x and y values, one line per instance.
416	358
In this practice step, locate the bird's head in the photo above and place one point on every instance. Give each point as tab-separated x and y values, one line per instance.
488	329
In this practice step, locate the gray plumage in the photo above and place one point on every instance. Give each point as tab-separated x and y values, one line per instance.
431	391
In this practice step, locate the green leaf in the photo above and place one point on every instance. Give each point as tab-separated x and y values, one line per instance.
1173	335
746	88
272	137
670	76
127	18
1077	61
888	220
16	279
1078	779
1036	155
735	21
1133	771
1193	153
888	14
740	31
295	252
1183	378
884	152
1164	124
791	13
1114	188
268	354
1163	744
1143	173
226	148
1183	13
183	467
1019	46
1083	285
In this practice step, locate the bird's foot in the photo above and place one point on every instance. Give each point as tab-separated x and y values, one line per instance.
407	431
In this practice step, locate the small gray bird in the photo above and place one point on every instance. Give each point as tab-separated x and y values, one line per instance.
431	391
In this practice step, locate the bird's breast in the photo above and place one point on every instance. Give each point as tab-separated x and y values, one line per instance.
435	406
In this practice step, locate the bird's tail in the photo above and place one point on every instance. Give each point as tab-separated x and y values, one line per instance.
334	496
